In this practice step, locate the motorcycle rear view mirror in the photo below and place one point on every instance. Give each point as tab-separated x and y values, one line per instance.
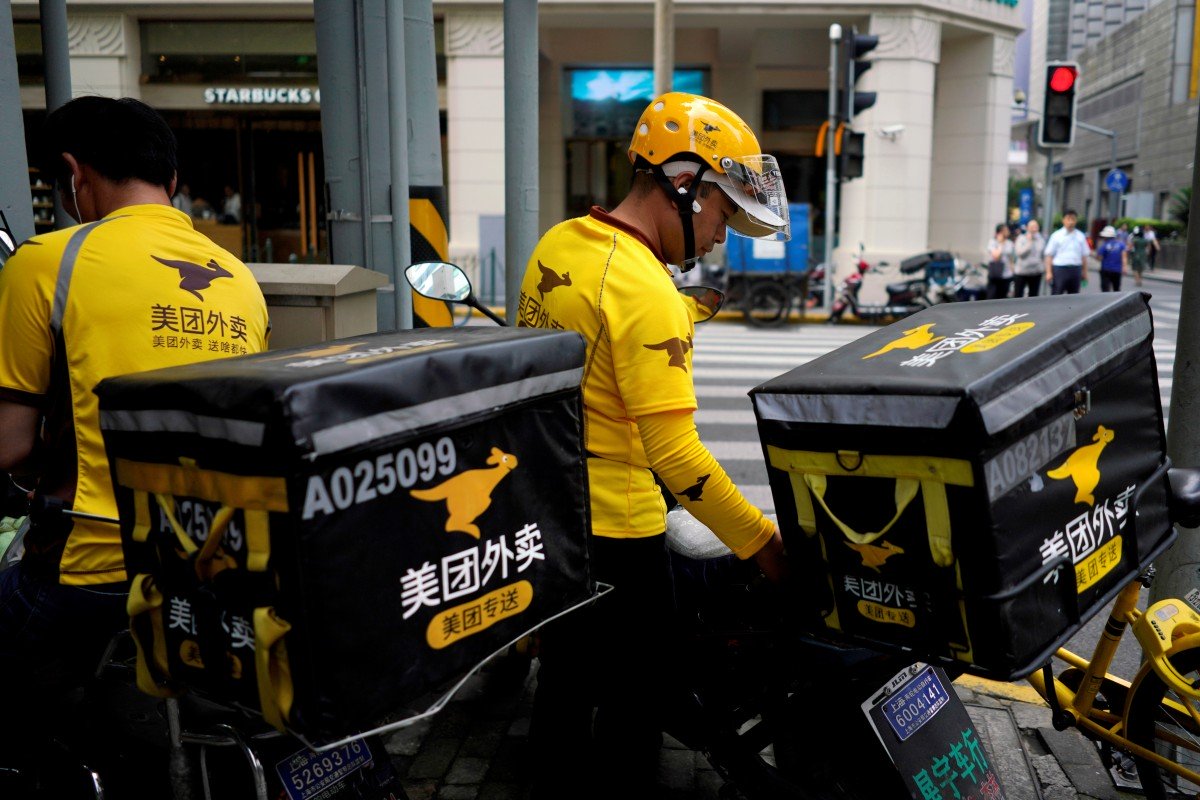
705	301
8	244
439	280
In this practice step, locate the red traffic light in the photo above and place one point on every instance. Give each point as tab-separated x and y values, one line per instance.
1062	79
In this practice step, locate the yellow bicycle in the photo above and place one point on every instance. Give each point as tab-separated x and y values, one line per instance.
1156	716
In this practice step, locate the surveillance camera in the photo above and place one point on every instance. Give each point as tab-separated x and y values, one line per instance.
891	130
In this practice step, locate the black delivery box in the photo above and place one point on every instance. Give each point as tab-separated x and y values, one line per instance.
963	483
328	533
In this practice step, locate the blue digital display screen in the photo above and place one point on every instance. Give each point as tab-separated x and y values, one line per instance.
624	85
606	103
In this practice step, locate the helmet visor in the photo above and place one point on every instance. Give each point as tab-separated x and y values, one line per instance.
755	185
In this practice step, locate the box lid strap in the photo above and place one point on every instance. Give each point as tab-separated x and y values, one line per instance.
906	490
274	673
144	607
809	471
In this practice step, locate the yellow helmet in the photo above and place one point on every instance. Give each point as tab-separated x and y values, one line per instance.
682	127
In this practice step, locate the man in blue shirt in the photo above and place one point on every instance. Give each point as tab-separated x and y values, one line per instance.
1067	253
1114	259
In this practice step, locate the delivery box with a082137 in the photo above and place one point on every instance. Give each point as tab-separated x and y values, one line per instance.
963	483
327	533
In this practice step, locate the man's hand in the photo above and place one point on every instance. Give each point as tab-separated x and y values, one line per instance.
771	559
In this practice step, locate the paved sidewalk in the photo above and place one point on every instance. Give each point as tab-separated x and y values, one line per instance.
1167	275
476	748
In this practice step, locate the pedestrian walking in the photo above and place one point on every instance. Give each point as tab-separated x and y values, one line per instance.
1152	247
1066	255
1001	256
1114	259
1027	274
1137	258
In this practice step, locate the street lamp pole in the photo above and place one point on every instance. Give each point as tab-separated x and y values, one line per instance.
835	36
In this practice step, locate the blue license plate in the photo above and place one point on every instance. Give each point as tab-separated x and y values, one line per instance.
915	702
307	775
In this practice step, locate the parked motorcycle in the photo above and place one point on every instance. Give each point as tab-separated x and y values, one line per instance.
931	278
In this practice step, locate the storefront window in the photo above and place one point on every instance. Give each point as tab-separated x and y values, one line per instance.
229	52
789	109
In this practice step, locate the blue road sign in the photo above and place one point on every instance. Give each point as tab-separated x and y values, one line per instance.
1116	181
1025	205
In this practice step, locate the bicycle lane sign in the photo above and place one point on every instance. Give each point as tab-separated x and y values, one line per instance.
926	731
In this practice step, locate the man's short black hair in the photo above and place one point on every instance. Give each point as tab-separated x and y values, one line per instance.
1070	212
121	139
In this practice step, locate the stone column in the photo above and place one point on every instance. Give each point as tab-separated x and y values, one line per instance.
970	144
104	55
474	123
887	210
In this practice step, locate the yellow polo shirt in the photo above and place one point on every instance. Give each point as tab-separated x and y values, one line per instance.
599	277
138	290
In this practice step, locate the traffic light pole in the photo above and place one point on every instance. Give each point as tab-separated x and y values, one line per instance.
1179	567
835	36
1048	211
1115	203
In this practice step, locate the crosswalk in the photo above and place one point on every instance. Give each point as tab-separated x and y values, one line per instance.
730	359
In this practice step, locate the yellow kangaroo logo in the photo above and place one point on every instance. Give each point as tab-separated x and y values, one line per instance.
913	339
1081	466
873	555
468	494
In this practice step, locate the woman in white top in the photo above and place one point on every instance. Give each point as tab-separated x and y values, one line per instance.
1029	269
1001	256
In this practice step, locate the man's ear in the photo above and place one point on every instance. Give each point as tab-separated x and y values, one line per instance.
73	170
683	180
173	184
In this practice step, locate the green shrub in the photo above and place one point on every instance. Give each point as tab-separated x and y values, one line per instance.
1164	229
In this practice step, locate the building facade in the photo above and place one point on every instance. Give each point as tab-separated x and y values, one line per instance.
1141	83
1138	66
238	82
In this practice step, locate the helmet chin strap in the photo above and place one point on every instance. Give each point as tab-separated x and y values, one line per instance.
684	198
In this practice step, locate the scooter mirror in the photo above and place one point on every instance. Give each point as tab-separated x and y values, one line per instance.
438	280
7	243
705	301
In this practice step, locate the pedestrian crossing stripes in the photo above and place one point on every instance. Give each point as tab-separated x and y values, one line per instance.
731	359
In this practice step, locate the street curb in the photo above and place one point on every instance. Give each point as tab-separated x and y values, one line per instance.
1020	693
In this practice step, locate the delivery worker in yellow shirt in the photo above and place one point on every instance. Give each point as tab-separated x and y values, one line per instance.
133	287
697	169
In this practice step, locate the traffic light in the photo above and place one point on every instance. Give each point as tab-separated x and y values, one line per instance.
854	47
850	159
1058	106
